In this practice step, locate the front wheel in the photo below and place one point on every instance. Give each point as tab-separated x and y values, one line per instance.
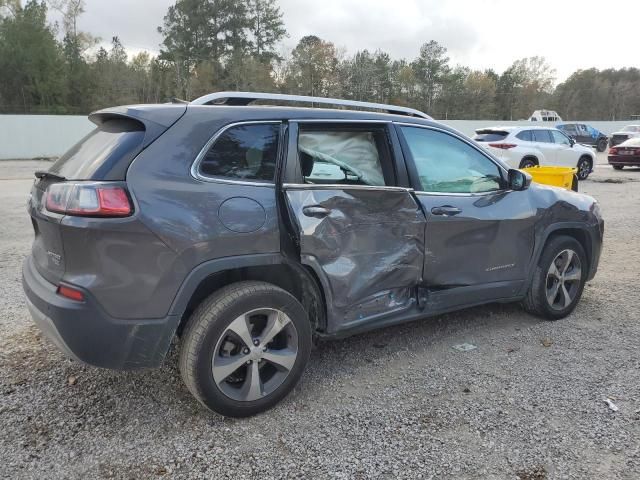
601	145
527	163
558	279
584	168
245	348
618	167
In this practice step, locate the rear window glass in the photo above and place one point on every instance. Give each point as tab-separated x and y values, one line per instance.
525	136
244	152
96	154
490	136
542	136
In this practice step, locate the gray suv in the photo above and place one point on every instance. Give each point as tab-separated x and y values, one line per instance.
248	231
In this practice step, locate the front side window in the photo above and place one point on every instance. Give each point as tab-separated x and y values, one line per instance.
344	156
559	137
447	164
244	152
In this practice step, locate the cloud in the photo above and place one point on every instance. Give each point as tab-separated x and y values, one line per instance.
479	34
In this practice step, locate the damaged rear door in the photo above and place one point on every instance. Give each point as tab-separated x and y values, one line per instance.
361	233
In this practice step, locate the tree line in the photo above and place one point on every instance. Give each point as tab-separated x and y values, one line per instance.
213	45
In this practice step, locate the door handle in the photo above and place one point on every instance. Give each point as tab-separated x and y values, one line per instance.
316	211
446	210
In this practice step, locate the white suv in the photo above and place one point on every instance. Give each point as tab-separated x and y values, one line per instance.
522	147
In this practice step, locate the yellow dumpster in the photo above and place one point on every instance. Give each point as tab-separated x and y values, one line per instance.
564	177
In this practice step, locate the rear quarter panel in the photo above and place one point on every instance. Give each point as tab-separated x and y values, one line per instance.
185	213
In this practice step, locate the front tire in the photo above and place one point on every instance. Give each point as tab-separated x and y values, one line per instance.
584	168
558	279
618	167
528	163
245	348
601	145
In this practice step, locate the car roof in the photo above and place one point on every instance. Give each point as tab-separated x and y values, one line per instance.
513	128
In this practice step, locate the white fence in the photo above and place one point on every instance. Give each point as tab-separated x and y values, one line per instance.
35	136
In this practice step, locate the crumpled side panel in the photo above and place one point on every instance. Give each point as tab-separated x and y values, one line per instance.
369	248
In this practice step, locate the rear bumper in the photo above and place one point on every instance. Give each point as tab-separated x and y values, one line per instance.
626	160
83	331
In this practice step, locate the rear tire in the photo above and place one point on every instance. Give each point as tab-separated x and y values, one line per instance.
584	168
558	279
618	167
245	348
601	146
528	163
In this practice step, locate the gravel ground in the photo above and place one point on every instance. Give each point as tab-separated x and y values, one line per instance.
528	403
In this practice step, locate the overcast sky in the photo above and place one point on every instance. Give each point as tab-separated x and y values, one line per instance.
478	33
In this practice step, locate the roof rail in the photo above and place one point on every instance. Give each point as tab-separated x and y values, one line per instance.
245	98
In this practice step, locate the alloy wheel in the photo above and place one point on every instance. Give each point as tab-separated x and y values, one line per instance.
584	169
255	354
563	279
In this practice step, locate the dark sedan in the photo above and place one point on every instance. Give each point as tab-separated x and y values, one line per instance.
626	154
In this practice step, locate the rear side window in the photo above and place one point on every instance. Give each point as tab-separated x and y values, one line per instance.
344	156
490	136
244	152
106	152
525	136
542	136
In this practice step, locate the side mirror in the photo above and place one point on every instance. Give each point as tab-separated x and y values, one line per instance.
518	180
572	141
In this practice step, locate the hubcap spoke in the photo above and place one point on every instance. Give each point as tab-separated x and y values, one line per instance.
223	367
573	276
240	326
276	322
553	271
252	388
284	359
568	261
565	296
552	293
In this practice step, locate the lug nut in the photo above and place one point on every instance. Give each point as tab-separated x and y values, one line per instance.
256	342
249	362
245	351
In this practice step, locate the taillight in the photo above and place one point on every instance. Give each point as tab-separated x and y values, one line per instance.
70	293
613	151
502	146
88	200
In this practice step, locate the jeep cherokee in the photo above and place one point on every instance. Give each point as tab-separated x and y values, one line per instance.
248	231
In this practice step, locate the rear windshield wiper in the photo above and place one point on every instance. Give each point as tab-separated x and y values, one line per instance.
52	176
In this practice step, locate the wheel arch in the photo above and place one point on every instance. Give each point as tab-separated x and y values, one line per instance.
531	156
574	230
271	268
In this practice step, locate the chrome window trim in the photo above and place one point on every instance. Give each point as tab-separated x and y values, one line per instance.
195	167
338	186
460	194
475	147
